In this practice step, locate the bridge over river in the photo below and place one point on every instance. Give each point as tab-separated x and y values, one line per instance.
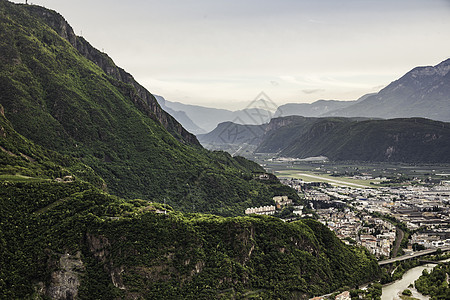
412	255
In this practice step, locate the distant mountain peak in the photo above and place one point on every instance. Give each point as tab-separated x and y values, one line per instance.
422	92
264	104
441	70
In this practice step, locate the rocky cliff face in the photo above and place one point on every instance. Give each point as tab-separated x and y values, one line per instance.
143	98
314	109
65	280
422	92
277	123
399	140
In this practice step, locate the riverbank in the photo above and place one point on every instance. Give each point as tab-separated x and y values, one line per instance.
392	291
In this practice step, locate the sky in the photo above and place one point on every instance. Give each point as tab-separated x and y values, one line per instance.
224	53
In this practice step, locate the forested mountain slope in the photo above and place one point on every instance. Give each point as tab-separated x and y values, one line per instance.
61	100
62	237
357	139
70	133
398	140
70	240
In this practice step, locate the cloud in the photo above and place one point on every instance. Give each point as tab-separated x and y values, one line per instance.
314	21
313	91
378	87
289	79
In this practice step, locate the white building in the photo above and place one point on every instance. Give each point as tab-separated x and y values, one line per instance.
262	210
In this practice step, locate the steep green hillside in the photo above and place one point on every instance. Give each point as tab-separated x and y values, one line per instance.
69	133
72	240
22	160
140	95
236	139
396	140
66	239
75	101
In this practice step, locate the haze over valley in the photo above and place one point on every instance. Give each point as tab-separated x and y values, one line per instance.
179	150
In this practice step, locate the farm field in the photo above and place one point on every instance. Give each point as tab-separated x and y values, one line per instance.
339	181
19	178
355	174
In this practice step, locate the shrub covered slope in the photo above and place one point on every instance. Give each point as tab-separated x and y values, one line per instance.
412	140
68	238
82	133
134	249
63	101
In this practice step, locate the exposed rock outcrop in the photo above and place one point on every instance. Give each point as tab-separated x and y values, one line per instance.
144	100
66	279
100	248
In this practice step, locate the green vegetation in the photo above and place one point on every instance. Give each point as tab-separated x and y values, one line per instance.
84	162
435	283
344	139
407	295
173	254
61	100
319	177
22	160
407	292
403	297
372	292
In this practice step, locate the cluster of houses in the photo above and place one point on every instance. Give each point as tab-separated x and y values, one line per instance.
280	203
430	240
342	296
350	213
421	208
261	210
380	246
375	234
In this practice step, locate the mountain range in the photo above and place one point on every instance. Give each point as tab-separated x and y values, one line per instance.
422	92
103	193
206	119
412	140
63	94
315	109
180	116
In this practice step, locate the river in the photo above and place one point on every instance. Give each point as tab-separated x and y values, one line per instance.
391	291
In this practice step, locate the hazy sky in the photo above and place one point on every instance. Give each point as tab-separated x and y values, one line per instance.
223	53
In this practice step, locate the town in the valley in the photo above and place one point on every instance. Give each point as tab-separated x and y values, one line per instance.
387	219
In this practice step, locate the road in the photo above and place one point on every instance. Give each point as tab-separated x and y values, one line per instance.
398	241
412	255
